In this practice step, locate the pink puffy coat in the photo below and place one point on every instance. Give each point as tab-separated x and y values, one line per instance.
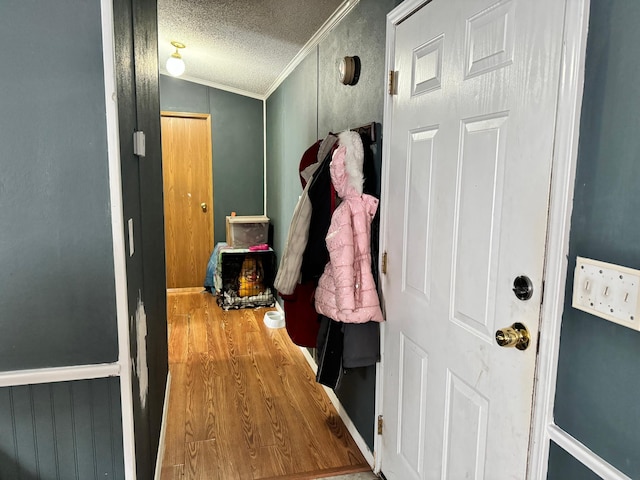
346	290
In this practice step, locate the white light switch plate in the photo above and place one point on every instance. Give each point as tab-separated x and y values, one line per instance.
608	291
139	144
131	245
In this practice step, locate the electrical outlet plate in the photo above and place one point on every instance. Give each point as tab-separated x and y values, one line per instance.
608	291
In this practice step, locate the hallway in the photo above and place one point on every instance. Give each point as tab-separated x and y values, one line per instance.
244	403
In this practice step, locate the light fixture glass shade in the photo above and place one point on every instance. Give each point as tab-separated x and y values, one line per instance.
175	65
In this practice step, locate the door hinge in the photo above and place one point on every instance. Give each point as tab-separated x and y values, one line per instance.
380	422
393	82
384	263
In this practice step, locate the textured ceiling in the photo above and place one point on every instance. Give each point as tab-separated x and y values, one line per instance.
241	44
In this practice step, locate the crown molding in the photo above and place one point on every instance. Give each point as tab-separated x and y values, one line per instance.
342	11
218	86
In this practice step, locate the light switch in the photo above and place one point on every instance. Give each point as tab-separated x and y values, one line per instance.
608	291
131	244
139	144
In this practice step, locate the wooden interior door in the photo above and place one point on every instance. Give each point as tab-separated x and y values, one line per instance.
466	203
188	197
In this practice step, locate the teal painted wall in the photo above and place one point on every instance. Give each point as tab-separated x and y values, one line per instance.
57	288
61	431
57	300
292	127
565	467
598	384
237	138
310	103
362	33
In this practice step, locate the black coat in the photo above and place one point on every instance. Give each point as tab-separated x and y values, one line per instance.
322	197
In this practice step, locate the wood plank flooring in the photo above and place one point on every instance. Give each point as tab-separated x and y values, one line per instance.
244	403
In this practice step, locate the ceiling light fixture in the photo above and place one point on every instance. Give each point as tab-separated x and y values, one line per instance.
175	64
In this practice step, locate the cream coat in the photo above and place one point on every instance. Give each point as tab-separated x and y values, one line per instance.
289	271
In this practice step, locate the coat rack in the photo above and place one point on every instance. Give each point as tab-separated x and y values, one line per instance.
367	131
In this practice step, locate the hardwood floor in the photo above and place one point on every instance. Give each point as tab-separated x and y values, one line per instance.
244	403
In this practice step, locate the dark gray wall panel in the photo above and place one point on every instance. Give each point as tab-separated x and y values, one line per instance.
62	431
57	297
563	466
341	107
276	169
291	118
598	382
148	405
181	96
237	145
237	135
361	34
139	109
291	128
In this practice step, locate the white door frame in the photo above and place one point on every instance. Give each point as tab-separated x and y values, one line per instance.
564	162
119	249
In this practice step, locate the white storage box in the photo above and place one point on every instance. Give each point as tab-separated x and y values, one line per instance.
244	232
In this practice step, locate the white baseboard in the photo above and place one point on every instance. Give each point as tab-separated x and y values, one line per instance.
362	445
163	429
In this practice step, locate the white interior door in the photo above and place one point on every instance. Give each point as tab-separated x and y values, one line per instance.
465	212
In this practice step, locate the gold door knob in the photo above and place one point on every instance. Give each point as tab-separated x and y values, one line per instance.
516	335
203	206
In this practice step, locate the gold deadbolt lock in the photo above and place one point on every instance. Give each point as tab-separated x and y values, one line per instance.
203	206
516	335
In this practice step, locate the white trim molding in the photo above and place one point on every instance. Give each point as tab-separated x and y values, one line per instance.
580	452
217	86
341	12
393	18
117	229
281	311
377	439
362	445
355	434
163	430
264	158
58	374
565	158
560	208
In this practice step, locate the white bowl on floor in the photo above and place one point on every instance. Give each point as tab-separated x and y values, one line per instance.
274	319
